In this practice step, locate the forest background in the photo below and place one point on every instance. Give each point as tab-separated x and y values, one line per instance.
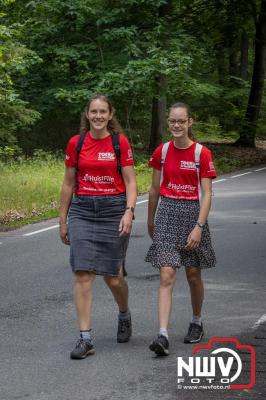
144	55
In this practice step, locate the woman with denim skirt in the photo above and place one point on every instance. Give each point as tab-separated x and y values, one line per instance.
98	198
180	230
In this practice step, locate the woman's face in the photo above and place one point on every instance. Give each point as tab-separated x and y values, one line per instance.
99	115
179	122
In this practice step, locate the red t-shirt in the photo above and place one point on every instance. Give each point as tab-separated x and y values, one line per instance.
97	174
180	179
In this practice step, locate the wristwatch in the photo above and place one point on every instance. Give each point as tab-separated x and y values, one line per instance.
132	209
201	226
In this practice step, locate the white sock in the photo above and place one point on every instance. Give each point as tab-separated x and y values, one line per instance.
196	320
163	332
86	335
124	315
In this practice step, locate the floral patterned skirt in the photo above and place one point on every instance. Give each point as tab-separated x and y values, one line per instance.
174	221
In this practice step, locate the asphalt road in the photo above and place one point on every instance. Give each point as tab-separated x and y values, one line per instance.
38	328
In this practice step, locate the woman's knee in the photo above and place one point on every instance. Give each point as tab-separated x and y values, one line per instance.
194	276
114	282
167	277
84	279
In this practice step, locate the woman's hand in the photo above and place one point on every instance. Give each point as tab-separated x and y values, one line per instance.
194	238
63	232
125	225
151	230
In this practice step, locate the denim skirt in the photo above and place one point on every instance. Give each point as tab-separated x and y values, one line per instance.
175	219
95	244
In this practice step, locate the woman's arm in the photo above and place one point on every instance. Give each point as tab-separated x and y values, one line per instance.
65	201
154	195
129	178
206	188
194	237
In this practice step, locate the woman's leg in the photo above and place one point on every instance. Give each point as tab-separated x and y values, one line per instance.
119	288
195	330
83	287
196	289
167	282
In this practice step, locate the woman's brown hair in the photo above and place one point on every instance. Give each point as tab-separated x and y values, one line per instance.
113	125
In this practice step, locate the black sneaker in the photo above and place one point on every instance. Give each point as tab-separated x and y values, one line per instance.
195	333
124	330
160	346
83	349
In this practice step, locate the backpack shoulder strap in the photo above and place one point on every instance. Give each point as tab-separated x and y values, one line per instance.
197	157
116	147
198	149
80	142
78	150
164	152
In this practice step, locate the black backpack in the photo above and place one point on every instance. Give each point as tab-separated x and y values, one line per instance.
116	147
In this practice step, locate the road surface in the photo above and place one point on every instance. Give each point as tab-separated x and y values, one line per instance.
38	328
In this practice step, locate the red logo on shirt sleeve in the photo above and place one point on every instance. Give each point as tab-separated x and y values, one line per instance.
211	166
129	154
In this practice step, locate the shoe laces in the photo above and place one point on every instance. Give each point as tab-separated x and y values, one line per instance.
163	339
123	324
81	343
195	329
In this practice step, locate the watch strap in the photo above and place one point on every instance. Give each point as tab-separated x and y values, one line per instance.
201	226
132	209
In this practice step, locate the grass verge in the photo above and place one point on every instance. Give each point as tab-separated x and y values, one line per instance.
30	188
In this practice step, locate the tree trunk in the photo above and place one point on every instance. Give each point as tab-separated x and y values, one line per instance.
158	123
233	59
248	129
244	56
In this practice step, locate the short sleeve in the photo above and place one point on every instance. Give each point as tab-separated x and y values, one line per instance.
71	154
126	155
207	169
156	158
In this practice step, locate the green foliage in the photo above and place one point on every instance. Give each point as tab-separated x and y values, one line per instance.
59	53
15	60
29	186
209	128
9	153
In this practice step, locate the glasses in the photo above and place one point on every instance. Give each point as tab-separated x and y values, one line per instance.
173	122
